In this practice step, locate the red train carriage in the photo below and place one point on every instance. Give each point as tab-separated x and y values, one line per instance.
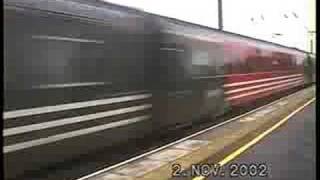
260	71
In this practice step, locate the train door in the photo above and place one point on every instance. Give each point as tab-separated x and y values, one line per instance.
207	71
214	92
175	95
309	69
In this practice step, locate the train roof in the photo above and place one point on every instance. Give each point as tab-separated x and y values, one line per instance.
193	28
205	31
194	31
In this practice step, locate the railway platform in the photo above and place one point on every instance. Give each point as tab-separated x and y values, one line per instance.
275	136
288	153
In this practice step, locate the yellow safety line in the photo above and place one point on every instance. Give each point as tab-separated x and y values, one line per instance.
257	139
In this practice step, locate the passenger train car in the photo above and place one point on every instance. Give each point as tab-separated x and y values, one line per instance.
83	75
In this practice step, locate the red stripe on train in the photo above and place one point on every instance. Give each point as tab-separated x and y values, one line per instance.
233	78
249	87
251	99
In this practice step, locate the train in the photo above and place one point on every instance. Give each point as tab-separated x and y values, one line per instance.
84	75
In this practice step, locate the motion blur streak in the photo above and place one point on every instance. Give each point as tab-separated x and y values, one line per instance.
70	106
77	119
50	139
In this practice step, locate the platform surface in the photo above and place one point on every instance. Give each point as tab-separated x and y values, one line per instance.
288	153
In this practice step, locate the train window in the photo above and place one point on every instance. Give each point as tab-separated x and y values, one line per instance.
200	58
236	64
293	61
55	44
219	67
216	55
299	60
239	66
260	63
174	65
201	62
53	52
235	58
67	49
258	51
275	62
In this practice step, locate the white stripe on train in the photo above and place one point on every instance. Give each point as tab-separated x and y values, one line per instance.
67	85
77	119
69	106
58	137
60	38
243	74
263	90
261	85
260	80
72	120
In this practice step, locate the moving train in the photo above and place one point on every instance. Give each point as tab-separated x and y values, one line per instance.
83	75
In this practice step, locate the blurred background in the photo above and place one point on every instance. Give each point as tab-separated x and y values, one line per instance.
287	22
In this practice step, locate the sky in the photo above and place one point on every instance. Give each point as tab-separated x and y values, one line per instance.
240	16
